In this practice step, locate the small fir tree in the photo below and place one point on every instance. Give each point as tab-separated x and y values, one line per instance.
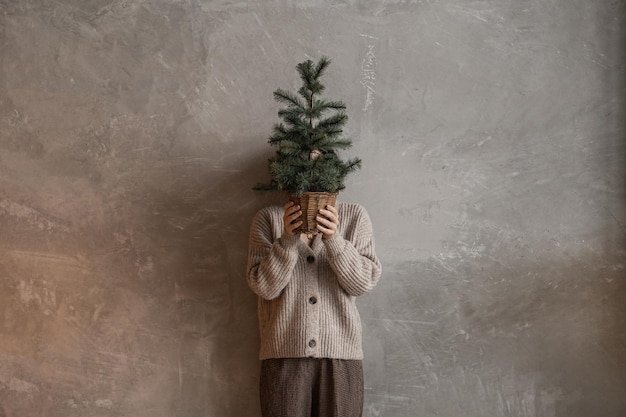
308	138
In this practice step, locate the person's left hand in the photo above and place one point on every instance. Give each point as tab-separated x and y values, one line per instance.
328	222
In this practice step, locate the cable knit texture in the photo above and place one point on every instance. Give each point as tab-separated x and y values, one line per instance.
307	295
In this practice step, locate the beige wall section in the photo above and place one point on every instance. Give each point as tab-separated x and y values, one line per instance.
492	134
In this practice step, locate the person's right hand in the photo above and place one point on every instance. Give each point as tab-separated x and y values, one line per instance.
290	218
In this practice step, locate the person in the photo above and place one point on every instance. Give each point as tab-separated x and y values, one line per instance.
311	337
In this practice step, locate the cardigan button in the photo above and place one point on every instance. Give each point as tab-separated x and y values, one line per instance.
312	343
312	300
310	259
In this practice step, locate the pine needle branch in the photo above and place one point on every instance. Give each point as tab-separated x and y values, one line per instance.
288	98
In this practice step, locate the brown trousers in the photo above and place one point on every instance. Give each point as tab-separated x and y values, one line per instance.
310	387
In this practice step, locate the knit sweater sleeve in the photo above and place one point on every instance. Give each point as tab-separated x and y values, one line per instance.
270	261
352	254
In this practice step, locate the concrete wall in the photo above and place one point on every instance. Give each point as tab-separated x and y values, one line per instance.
493	137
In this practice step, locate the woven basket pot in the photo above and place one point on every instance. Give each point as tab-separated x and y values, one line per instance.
310	203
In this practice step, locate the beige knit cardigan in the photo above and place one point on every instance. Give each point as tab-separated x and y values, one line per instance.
307	295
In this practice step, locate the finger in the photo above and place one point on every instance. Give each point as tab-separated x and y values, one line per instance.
329	215
292	209
291	205
293	226
293	218
325	231
333	210
324	221
322	228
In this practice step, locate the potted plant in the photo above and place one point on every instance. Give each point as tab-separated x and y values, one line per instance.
306	165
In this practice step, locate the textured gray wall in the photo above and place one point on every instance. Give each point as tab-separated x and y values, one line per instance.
493	136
